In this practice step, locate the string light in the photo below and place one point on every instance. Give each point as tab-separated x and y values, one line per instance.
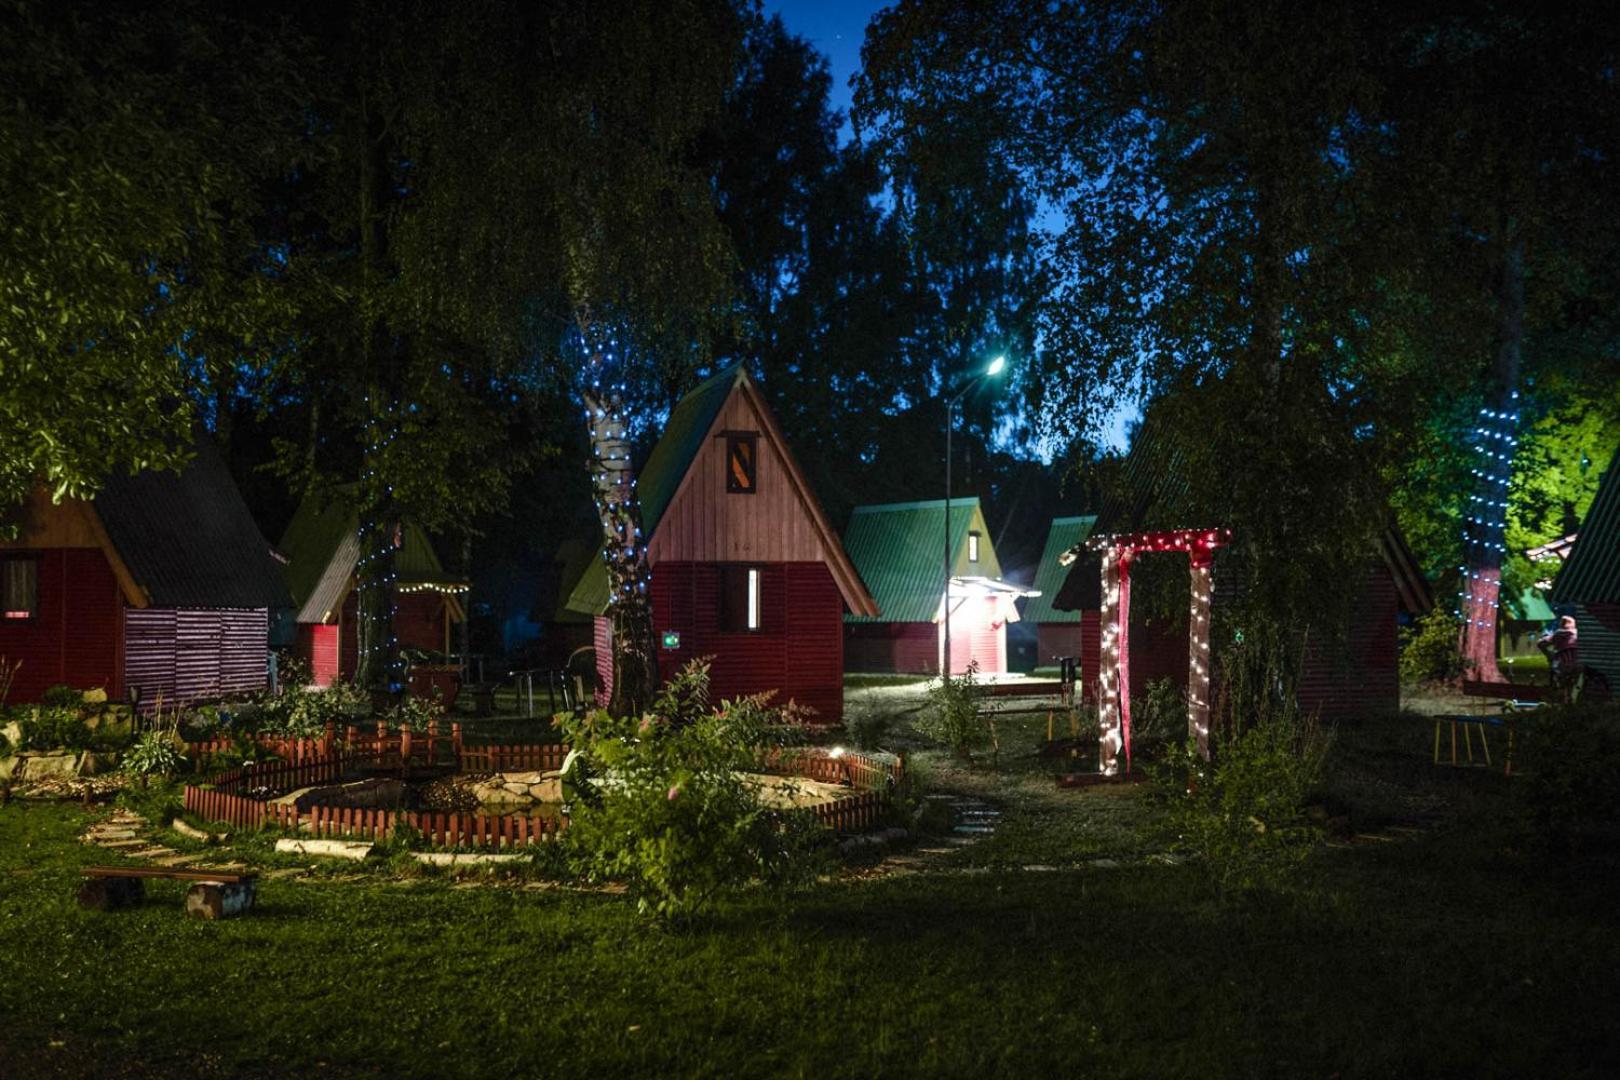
1485	520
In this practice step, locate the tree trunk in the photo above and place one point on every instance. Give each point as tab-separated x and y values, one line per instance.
1486	510
635	663
378	654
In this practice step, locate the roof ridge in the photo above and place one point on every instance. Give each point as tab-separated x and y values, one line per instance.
923	504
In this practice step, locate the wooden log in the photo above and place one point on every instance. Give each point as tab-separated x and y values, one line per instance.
220	899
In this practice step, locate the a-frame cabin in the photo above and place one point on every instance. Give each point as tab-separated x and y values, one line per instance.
745	567
160	589
899	549
322	547
1588	585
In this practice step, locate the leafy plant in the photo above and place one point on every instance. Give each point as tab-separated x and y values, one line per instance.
868	728
306	710
1162	716
157	749
416	711
62	697
663	801
1568	783
954	717
53	727
1242	816
1429	648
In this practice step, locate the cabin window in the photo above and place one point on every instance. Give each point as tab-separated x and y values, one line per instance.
742	463
973	547
740	599
19	587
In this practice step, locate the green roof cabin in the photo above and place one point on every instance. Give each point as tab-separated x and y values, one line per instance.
746	569
899	549
1060	635
1588	585
322	547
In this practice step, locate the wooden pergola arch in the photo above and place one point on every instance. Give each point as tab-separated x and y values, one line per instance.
1118	551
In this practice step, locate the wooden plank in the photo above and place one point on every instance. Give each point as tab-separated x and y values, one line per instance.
147	872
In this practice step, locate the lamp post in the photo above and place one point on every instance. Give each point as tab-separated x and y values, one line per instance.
995	368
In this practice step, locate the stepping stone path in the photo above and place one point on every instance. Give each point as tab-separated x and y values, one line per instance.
126	833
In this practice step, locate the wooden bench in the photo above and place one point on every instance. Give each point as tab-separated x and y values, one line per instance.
1470	726
215	895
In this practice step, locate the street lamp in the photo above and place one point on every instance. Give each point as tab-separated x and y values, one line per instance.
995	367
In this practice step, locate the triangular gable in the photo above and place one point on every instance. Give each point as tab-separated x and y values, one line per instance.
1591	575
898	549
322	546
71	523
1064	534
678	491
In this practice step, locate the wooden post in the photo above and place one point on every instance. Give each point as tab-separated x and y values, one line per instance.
1108	668
433	740
351	736
1198	652
327	737
455	741
404	748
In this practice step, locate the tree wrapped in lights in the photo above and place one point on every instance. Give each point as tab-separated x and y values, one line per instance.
1484	537
624	549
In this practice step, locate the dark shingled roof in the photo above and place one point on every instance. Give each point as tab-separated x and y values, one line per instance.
1592	574
188	539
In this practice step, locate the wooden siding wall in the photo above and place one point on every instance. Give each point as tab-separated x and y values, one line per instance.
317	645
77	636
903	647
192	654
797	651
1599	641
705	523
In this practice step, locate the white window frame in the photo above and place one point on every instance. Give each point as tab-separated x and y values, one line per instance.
753	598
973	547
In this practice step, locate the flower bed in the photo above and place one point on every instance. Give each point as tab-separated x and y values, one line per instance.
247	797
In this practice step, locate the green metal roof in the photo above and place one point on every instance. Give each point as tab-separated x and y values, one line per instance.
658	480
1064	534
322	546
1592	574
1528	606
899	549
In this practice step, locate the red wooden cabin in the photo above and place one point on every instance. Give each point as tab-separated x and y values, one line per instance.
899	549
745	567
160	587
322	546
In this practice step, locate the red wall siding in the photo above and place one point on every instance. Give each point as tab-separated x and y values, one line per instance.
978	634
909	647
418	624
801	617
317	645
76	638
1360	676
1056	641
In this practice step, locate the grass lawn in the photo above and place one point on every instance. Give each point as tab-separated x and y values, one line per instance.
1453	952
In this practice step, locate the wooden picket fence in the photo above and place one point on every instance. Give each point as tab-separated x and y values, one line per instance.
240	797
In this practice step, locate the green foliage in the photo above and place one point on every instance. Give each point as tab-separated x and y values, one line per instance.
415	711
1243	819
869	727
304	710
156	751
662	803
955	717
1242	815
50	727
1567	775
62	697
1429	648
1162	716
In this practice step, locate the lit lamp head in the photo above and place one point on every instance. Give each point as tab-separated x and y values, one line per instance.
996	366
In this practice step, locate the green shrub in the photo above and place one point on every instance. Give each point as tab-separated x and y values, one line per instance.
62	697
954	717
1242	816
157	749
416	711
52	727
305	710
1162	716
1567	781
1429	650
869	728
662	802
